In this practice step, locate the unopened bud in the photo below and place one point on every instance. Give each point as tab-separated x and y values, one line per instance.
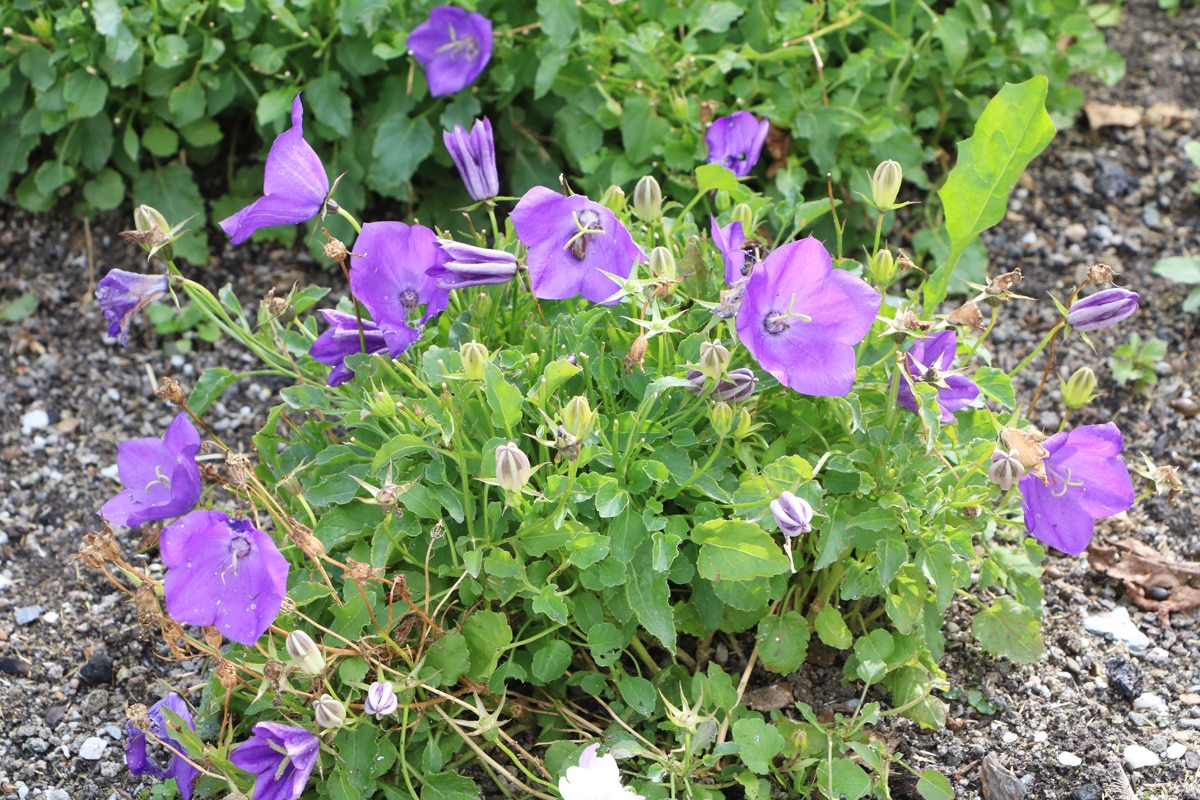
148	219
744	214
647	199
1006	469
613	199
305	653
885	185
792	514
662	264
1102	309
722	418
481	306
714	358
736	387
882	267
328	712
512	468
1079	389
474	359
578	417
744	425
381	699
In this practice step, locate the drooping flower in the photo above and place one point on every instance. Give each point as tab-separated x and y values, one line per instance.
160	476
792	514
381	699
736	141
304	652
1104	308
282	756
729	240
222	572
453	45
596	778
512	468
123	294
1085	480
929	360
800	318
342	339
137	754
474	154
737	385
461	265
295	185
573	243
391	279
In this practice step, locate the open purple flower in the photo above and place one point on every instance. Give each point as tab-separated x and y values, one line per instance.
736	141
729	241
461	265
453	45
137	754
391	279
160	476
800	318
222	572
123	294
282	756
1099	310
573	243
295	186
1085	481
341	339
929	361
474	154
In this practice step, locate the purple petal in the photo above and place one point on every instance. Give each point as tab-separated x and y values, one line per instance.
729	241
936	350
453	45
270	210
1054	519
390	278
961	393
736	141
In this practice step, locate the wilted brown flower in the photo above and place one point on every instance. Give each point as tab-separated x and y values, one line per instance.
969	316
170	390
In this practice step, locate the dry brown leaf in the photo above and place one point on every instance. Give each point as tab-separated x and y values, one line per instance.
1103	115
1152	581
1165	114
769	698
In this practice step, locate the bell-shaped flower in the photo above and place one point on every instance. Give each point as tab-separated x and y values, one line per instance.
342	339
1085	480
122	295
461	265
736	141
474	154
729	240
222	572
1104	308
138	755
801	318
512	468
792	514
282	756
381	699
329	712
391	279
595	778
295	185
160	476
737	385
453	45
576	247
930	360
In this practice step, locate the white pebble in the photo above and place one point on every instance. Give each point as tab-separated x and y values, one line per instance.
1009	737
1069	759
1150	703
1176	750
1138	757
1117	624
92	748
1041	736
33	420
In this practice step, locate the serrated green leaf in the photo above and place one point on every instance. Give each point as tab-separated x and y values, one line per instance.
758	744
735	550
1010	630
212	384
783	642
329	104
650	597
996	384
714	177
85	95
831	628
560	19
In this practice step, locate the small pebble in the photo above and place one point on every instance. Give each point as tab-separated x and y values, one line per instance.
1041	736
1009	737
1138	757
1075	232
1124	678
1069	759
1176	750
1150	703
98	669
92	748
28	614
1089	791
1116	623
34	420
1139	720
1186	406
113	732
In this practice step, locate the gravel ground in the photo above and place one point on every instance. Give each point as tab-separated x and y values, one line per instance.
71	658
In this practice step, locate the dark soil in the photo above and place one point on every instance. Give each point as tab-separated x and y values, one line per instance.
71	658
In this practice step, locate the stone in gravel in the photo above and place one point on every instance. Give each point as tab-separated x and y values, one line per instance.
1069	759
56	794
1124	678
1089	791
997	782
13	666
1191	760
1139	720
1138	757
1116	623
28	614
1150	703
1075	232
98	669
34	420
93	748
1176	750
1009	737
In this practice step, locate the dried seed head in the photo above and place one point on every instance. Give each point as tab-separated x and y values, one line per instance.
1166	479
145	603
212	637
1000	287
139	715
334	250
969	316
1100	273
1026	448
239	467
172	633
226	674
287	607
210	474
303	538
637	353
170	390
359	571
279	307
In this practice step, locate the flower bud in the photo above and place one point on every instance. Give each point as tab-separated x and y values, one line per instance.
714	358
151	231
647	199
881	267
578	417
792	514
885	185
613	199
381	699
1006	469
512	468
737	387
744	214
305	653
722	418
1079	389
481	306
1102	309
328	712
474	359
382	404
148	219
662	264
744	425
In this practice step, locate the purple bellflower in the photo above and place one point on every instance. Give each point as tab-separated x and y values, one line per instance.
1099	310
453	45
573	243
729	241
123	294
461	265
792	514
1085	481
160	476
800	318
737	386
736	141
341	339
282	756
474	154
137	755
391	280
222	572
929	360
295	186
381	700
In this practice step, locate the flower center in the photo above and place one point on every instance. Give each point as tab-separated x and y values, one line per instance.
777	322
465	47
588	223
160	479
409	299
239	546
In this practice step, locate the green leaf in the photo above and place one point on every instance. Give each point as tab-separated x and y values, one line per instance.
401	144
16	310
488	635
449	657
551	660
186	102
735	550
502	397
650	597
212	384
560	19
1008	629
783	642
161	140
933	785
758	744
1181	269
831	628
714	177
642	130
364	754
996	384
329	104
105	191
1010	133
849	780
85	95
202	133
639	693
448	786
